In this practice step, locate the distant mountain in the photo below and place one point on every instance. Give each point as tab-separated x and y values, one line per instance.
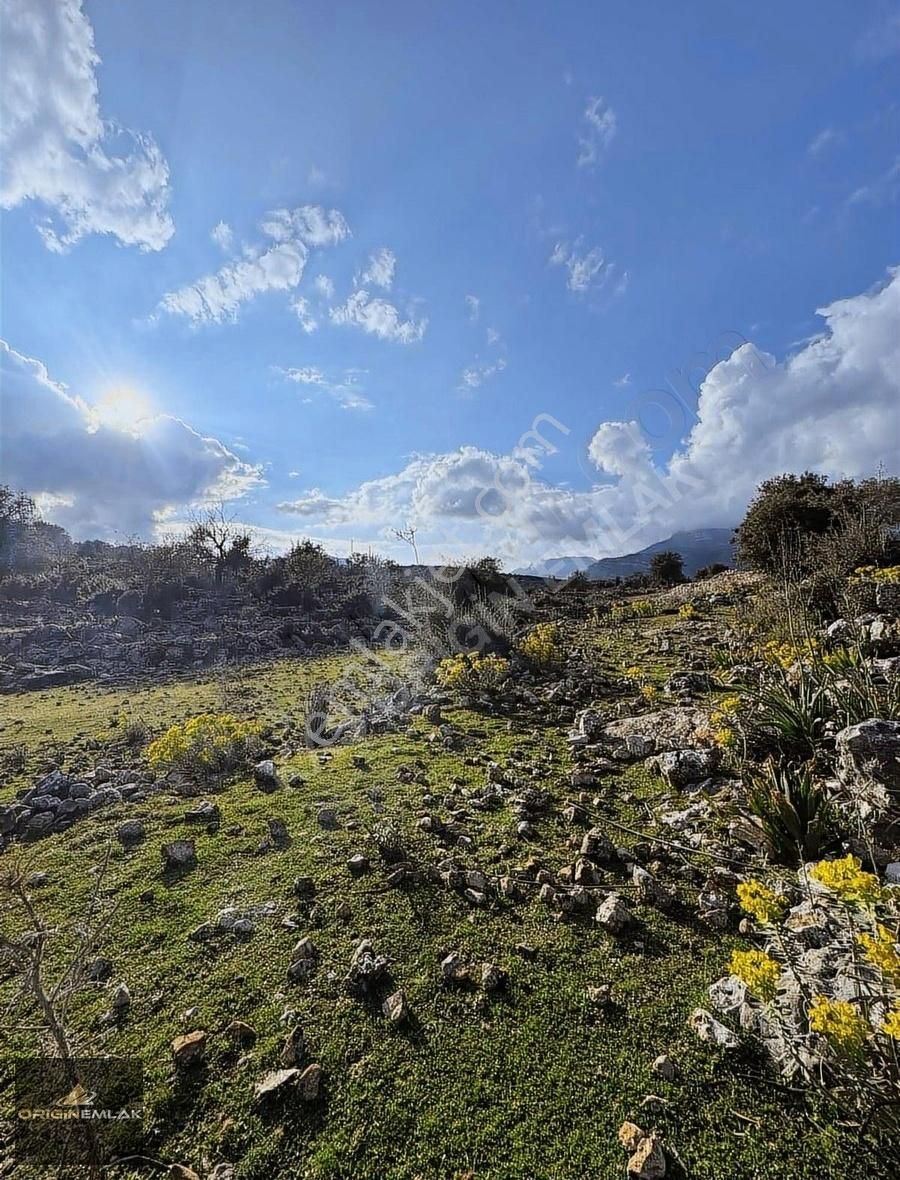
698	547
555	567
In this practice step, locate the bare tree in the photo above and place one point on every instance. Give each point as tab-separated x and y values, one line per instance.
217	541
409	536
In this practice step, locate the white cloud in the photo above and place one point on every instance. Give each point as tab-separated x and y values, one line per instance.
378	318
473	305
324	286
99	478
476	375
883	190
380	270
586	269
301	310
826	137
279	267
347	392
597	133
829	407
56	148
223	235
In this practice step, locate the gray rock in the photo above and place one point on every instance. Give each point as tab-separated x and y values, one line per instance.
712	1031
132	831
870	751
681	768
613	914
265	776
179	854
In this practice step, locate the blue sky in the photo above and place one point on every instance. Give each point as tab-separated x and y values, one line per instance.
436	223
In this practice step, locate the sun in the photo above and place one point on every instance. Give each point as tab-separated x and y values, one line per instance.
123	408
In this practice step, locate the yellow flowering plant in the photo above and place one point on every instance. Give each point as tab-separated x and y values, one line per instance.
846	878
880	949
840	1023
758	971
687	611
208	744
891	1026
543	645
472	672
761	902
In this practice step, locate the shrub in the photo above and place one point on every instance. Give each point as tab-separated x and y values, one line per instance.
687	611
791	513
667	568
796	820
710	571
207	745
543	645
638	608
471	672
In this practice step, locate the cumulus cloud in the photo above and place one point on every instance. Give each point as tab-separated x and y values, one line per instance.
473	306
101	479
378	318
89	175
598	130
380	270
829	407
277	266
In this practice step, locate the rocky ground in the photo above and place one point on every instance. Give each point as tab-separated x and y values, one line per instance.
478	946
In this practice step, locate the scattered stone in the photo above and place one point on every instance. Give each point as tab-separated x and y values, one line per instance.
630	1135
98	970
189	1049
493	978
241	1034
121	999
179	854
294	1048
327	818
664	1067
310	1082
396	1008
132	831
870	751
600	995
648	1161
708	1029
366	969
454	969
181	1172
275	1082
306	958
681	768
358	864
613	914
265	776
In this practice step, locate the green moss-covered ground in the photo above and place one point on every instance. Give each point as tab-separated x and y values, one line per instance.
531	1085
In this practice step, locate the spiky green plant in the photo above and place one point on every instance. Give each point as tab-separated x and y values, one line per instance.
793	814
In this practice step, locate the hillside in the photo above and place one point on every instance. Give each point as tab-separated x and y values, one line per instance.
698	547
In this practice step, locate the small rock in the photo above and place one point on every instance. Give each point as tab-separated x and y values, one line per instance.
265	776
309	1083
241	1034
648	1161
711	1030
493	978
630	1135
396	1008
613	914
189	1049
358	864
132	831
179	854
454	969
294	1048
276	1081
664	1067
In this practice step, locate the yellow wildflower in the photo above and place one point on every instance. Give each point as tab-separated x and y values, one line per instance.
881	951
543	645
840	1022
760	901
758	971
649	692
846	878
891	1024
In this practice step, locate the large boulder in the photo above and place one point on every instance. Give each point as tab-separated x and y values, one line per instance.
680	768
870	752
